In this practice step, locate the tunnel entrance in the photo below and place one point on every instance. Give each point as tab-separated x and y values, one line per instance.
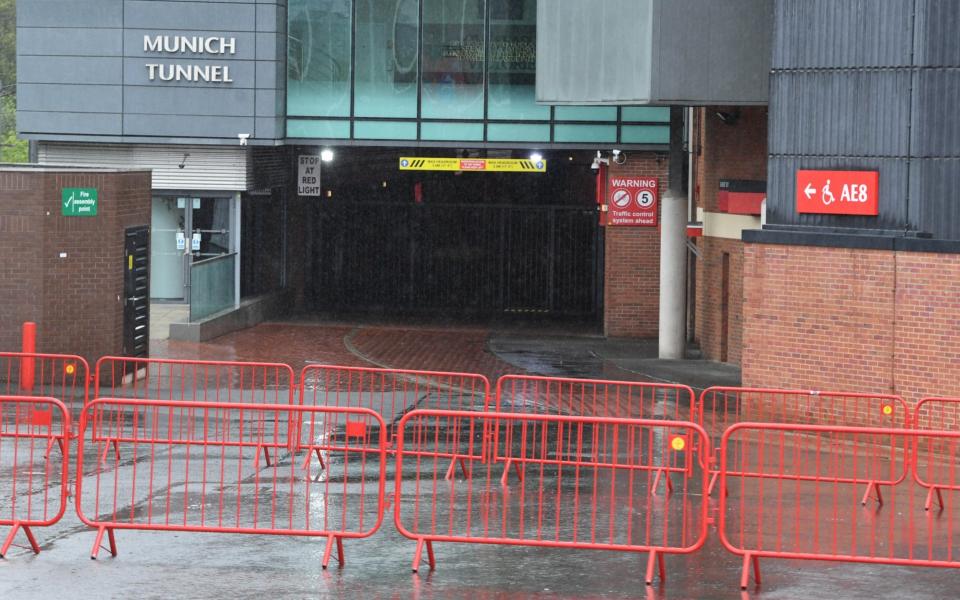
455	245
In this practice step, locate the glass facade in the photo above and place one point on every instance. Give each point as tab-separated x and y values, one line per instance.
435	70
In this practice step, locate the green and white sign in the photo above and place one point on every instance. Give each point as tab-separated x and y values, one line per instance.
78	202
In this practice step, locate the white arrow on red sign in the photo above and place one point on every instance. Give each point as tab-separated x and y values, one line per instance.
809	191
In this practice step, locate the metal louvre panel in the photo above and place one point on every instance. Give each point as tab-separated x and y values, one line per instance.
206	167
814	34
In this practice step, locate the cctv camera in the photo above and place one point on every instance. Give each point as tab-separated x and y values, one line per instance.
595	165
615	152
243	138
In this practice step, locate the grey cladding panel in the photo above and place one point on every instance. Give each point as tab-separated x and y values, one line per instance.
270	103
201	16
936	131
69	123
135	72
781	192
853	113
938	40
69	69
725	57
70	13
933	197
245	44
189	101
591	51
71	98
51	41
186	126
840	33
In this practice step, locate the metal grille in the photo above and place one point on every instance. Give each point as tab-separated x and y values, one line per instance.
477	259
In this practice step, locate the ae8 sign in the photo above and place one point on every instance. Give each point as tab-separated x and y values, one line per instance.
632	201
838	192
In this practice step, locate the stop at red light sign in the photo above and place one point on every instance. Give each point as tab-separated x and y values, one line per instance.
632	201
838	192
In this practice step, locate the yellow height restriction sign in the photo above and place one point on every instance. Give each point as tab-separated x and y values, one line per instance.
431	163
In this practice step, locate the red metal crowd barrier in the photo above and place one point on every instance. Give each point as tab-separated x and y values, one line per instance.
721	407
934	463
794	493
195	380
392	392
166	465
61	376
557	481
34	460
594	397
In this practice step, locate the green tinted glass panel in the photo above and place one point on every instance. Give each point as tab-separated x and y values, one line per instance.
453	49
452	131
318	129
386	58
656	114
585	133
638	134
318	57
585	113
517	132
384	130
212	286
512	60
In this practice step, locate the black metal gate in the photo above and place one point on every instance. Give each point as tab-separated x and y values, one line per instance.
483	260
136	291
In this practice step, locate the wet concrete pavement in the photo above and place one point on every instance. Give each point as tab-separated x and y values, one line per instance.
201	565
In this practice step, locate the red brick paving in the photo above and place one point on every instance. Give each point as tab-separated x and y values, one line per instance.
455	350
299	344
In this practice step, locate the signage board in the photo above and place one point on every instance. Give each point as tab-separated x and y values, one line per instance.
503	165
78	202
838	192
632	201
308	175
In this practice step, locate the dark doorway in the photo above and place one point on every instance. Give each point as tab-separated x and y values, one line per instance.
456	245
725	307
136	291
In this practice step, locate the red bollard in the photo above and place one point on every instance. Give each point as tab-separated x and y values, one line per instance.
27	364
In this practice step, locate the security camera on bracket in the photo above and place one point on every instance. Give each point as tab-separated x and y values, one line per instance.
243	138
599	160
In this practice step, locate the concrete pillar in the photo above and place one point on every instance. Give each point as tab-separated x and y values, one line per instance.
673	269
673	248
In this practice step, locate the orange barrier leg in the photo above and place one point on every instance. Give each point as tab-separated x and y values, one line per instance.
418	554
748	561
929	502
656	482
329	549
873	485
655	557
13	532
453	465
97	543
320	458
713	482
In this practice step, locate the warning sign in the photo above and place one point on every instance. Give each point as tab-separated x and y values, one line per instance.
308	175
508	165
633	201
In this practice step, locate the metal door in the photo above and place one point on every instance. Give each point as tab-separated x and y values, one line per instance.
136	291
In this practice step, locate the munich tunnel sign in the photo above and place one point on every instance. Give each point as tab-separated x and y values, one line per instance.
509	165
838	192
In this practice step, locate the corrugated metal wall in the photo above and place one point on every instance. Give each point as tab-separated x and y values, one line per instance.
223	168
868	84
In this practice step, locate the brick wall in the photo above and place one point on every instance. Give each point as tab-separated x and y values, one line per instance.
737	151
77	299
709	315
852	320
631	304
